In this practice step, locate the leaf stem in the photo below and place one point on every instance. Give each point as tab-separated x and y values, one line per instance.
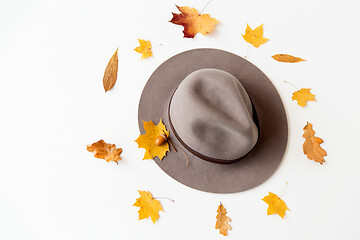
164	198
247	50
205	7
187	159
292	85
284	190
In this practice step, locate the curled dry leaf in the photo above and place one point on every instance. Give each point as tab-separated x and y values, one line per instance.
144	49
302	96
311	146
287	58
149	206
193	22
276	205
106	151
148	140
110	74
222	221
255	37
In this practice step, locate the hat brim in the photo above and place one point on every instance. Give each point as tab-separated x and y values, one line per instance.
257	166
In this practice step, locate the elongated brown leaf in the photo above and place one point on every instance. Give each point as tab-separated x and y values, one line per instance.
287	58
110	74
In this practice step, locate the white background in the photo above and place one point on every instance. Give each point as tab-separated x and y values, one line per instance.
52	58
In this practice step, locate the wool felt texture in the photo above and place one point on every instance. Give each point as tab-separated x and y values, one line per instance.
254	168
211	114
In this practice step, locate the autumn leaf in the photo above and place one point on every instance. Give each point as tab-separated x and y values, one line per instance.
302	96
144	49
106	151
194	22
110	74
287	58
222	222
255	37
311	146
276	205
149	206
147	140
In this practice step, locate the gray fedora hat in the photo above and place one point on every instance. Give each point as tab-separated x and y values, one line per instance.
224	112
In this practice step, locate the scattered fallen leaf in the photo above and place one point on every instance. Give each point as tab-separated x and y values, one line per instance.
193	22
110	74
147	140
144	49
302	96
287	58
106	151
222	222
149	206
255	37
276	205
311	146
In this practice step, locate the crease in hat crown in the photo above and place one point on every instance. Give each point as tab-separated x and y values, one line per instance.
212	115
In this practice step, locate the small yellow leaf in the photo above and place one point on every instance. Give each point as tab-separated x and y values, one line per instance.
194	22
222	221
287	58
144	49
255	37
311	146
149	206
302	96
276	205
147	140
110	74
106	151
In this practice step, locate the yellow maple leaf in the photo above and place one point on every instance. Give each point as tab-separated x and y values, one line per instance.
193	22
222	222
147	140
302	96
287	58
311	146
144	49
255	37
149	206
276	205
106	151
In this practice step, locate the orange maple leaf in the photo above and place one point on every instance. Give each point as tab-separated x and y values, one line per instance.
106	151
311	146
193	22
302	96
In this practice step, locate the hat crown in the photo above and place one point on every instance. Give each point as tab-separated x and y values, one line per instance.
212	115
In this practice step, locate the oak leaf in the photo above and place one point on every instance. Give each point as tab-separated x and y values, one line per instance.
144	49
110	74
276	205
193	22
311	146
255	37
302	96
147	140
106	151
222	222
149	206
287	58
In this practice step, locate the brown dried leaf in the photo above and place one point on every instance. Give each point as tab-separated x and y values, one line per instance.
222	222
110	74
287	58
311	145
106	151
